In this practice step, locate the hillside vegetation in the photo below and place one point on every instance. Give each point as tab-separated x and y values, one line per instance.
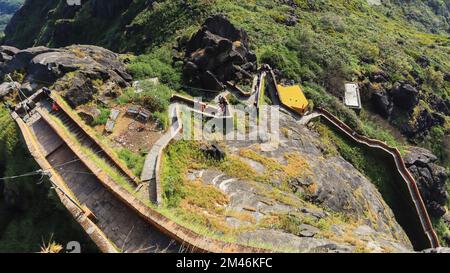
318	43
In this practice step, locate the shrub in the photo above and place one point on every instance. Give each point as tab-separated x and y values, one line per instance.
157	64
140	70
102	118
154	97
283	59
133	161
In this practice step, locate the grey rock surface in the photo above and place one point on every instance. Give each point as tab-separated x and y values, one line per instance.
217	53
329	186
73	70
431	179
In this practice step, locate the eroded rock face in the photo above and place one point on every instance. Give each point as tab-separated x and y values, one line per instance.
217	53
382	103
431	179
327	183
425	119
76	71
405	96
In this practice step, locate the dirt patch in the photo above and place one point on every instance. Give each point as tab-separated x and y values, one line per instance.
132	134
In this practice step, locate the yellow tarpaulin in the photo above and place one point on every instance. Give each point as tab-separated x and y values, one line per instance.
294	98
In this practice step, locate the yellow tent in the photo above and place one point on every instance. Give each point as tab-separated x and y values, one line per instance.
293	98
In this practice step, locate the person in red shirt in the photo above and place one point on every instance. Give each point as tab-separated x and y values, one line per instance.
55	107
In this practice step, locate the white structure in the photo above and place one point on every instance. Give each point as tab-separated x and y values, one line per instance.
352	97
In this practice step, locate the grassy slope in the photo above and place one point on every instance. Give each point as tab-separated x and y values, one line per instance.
334	41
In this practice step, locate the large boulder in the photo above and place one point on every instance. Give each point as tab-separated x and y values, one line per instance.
405	96
77	71
431	179
217	53
382	103
8	87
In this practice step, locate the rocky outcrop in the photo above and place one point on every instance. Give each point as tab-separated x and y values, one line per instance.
431	179
57	24
217	53
79	72
8	87
329	182
405	96
382	103
403	99
437	250
7	10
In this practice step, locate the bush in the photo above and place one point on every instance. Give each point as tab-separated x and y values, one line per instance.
154	97
102	118
162	118
133	161
157	65
283	59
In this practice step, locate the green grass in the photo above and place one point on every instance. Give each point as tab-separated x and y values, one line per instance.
134	162
102	119
111	171
441	229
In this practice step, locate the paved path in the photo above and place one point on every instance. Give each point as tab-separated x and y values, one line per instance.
119	223
149	171
304	120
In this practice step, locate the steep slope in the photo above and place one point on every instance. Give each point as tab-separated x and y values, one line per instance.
397	50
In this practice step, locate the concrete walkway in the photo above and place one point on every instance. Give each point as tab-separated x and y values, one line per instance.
304	120
149	171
